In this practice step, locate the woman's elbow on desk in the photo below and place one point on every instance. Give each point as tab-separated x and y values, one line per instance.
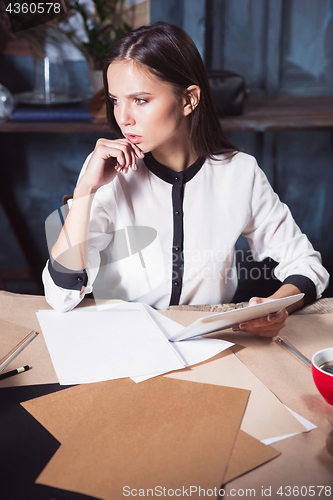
60	299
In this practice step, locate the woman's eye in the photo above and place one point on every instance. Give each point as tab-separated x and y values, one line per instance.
114	100
139	101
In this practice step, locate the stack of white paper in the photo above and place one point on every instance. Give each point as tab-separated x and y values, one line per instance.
126	340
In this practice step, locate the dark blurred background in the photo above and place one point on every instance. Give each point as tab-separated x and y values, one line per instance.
279	46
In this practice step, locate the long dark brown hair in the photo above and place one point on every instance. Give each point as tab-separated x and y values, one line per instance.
171	55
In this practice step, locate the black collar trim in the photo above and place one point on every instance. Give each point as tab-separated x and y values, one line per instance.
169	175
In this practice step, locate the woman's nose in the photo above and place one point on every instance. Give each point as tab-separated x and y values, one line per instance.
125	116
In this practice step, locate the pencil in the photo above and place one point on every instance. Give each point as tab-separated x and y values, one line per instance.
4	362
294	351
15	372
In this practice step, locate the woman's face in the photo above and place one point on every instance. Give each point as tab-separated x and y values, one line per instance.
145	108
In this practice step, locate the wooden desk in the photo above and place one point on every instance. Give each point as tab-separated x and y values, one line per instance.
304	460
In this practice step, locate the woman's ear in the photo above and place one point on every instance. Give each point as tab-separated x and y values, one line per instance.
191	99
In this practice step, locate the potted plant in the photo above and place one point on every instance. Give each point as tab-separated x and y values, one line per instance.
102	30
103	24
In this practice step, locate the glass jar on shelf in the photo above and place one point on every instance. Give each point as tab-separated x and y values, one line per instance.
6	103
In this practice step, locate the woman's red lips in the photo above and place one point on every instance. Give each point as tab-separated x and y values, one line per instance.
133	138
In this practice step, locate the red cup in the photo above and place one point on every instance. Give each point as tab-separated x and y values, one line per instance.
323	379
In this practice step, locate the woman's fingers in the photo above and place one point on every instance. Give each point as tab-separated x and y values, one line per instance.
135	152
268	326
124	151
136	149
118	154
256	300
108	157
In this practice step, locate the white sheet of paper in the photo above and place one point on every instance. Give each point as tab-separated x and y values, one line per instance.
192	351
309	426
304	421
94	346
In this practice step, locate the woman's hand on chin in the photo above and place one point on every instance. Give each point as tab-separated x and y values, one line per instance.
269	326
108	158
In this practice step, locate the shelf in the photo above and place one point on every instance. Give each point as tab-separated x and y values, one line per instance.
54	127
261	114
282	113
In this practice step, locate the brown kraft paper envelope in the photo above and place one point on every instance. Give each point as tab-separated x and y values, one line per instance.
247	454
149	434
60	413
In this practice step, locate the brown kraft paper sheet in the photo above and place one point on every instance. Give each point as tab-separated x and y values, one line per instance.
61	412
147	435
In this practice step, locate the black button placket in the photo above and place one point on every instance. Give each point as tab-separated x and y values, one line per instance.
178	233
178	181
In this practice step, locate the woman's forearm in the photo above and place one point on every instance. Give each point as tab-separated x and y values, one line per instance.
71	248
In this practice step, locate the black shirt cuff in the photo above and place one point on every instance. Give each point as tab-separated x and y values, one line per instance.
305	285
66	278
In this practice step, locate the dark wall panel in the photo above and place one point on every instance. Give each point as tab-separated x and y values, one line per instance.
307	51
244	47
305	181
170	11
286	47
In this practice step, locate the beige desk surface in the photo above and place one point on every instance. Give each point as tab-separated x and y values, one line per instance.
304	459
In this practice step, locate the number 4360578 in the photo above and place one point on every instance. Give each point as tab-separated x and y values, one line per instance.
33	8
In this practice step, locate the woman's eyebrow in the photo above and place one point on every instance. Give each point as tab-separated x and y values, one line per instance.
136	94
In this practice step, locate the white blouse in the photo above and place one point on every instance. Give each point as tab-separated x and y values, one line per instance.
164	237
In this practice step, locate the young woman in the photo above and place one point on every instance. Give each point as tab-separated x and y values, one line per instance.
156	213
